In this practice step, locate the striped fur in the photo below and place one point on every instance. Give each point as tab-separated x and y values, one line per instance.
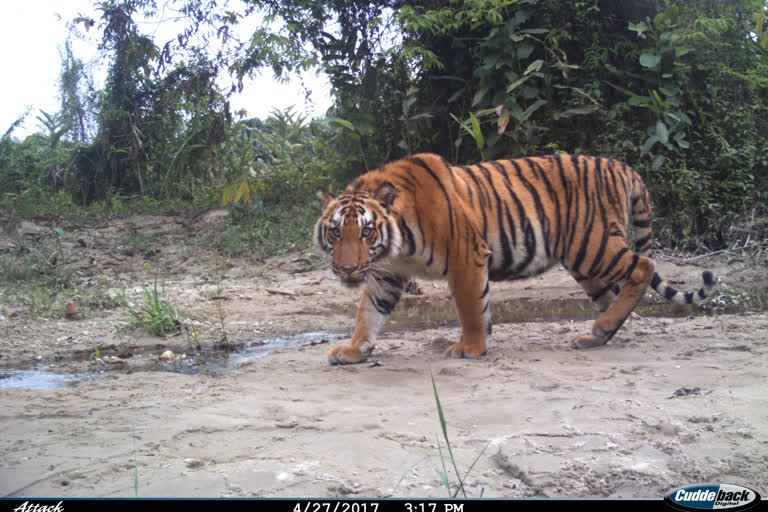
499	220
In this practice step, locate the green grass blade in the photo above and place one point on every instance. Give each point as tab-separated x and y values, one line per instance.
445	436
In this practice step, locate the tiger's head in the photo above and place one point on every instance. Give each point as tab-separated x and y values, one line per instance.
357	228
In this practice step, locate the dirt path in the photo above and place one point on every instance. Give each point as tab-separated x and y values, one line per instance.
669	402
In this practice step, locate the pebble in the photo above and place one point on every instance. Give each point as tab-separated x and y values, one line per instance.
168	355
71	310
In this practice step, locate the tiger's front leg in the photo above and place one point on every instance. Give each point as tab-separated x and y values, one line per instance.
380	296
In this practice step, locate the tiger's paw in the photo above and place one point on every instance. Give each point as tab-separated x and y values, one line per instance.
587	341
460	350
344	354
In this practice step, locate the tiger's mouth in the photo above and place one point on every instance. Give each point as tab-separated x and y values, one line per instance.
352	281
352	276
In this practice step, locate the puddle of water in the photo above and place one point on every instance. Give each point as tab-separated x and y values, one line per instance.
258	349
38	379
208	361
242	352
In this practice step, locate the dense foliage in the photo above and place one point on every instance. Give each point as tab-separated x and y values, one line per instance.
678	89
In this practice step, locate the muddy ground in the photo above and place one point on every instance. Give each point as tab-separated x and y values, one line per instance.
672	400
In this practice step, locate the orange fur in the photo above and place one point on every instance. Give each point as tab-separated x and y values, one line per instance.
491	221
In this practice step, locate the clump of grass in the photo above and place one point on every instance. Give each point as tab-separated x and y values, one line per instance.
138	242
221	264
156	315
729	300
28	261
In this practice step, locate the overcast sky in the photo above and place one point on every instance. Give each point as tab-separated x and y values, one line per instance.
31	33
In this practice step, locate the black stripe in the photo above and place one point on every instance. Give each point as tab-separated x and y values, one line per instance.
530	247
408	235
397	282
656	281
568	202
389	239
543	218
575	202
641	223
603	241
554	197
383	306
581	254
642	242
484	198
421	163
522	216
408	184
614	261
506	251
631	269
466	242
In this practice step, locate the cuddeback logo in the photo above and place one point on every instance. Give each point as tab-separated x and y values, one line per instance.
712	497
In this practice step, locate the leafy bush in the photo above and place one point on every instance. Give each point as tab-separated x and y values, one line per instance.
676	88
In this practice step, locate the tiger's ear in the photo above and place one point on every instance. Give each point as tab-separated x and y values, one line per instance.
323	196
386	193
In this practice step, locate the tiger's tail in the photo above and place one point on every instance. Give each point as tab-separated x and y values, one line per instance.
641	220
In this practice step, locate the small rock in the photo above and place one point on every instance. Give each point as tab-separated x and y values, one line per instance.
193	463
71	310
342	489
168	355
667	428
114	360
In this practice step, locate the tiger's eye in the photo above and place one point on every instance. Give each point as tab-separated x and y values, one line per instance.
336	233
367	232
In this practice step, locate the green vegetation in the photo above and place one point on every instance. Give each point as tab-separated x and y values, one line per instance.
444	473
678	89
157	315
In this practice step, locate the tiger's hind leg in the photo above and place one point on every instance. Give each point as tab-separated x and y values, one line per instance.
379	298
601	293
632	273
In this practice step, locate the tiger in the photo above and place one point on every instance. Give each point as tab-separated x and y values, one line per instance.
501	220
